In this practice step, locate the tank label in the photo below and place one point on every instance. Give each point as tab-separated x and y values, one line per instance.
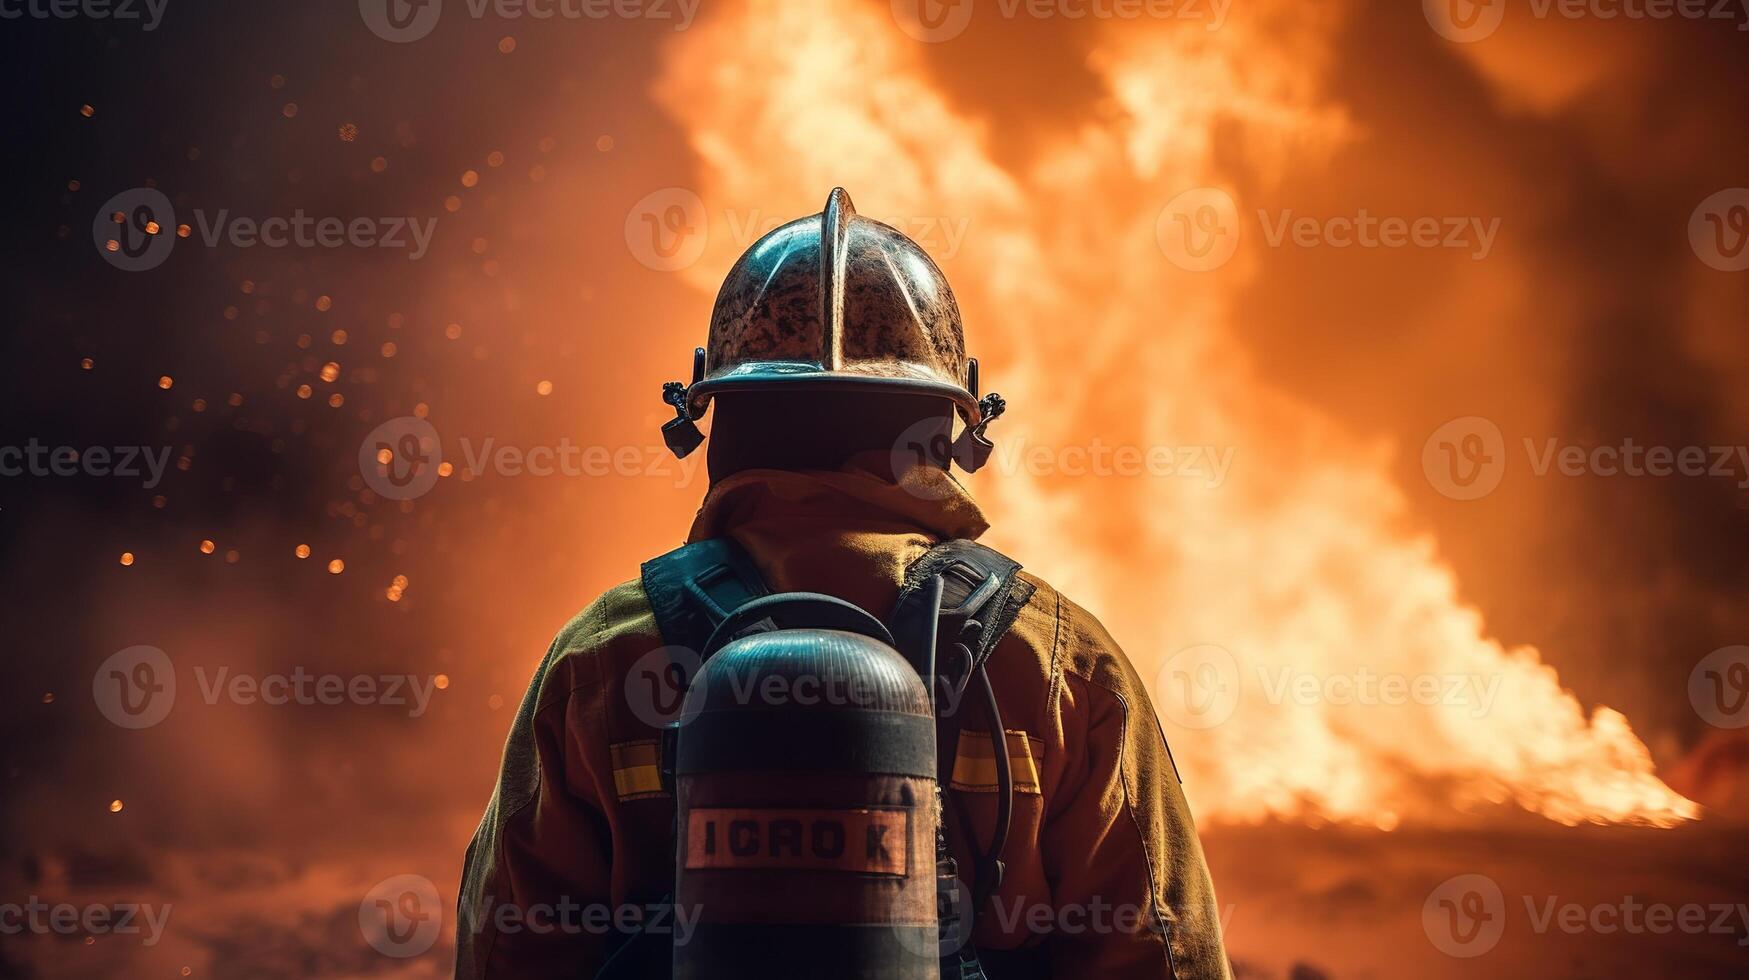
875	841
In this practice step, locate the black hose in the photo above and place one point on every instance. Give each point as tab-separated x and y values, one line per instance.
990	869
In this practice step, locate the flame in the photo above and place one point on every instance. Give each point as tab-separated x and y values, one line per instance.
1298	563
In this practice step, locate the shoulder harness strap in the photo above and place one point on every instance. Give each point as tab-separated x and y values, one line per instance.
697	586
978	597
981	595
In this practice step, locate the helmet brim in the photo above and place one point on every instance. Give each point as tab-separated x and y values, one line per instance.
777	375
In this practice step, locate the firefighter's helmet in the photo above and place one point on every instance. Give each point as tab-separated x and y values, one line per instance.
833	300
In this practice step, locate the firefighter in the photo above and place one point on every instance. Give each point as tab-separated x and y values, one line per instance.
836	370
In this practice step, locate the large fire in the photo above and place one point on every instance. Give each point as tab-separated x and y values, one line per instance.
1232	588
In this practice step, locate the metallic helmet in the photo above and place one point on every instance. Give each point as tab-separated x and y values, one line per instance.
834	300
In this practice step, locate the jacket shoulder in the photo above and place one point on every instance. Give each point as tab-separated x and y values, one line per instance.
619	620
620	611
1082	646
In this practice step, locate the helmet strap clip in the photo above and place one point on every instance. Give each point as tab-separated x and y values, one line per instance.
681	435
972	449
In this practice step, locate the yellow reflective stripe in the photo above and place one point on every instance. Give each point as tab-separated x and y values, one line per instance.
635	769
974	764
637	781
639	753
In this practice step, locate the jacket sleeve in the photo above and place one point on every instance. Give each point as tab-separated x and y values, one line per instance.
537	878
1120	844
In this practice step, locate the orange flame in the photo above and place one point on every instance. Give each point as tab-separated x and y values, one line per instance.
1296	564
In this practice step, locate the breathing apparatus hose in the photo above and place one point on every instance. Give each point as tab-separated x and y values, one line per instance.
990	865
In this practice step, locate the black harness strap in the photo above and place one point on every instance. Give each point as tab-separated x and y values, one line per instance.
697	586
981	593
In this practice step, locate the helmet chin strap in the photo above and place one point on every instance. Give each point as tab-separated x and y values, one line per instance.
971	450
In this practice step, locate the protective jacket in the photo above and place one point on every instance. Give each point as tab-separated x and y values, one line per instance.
1104	875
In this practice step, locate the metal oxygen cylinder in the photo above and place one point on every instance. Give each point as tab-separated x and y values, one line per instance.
804	770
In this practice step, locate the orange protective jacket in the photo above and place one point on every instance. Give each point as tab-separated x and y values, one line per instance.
1105	876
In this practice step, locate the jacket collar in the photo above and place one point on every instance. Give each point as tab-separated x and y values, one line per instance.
863	491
